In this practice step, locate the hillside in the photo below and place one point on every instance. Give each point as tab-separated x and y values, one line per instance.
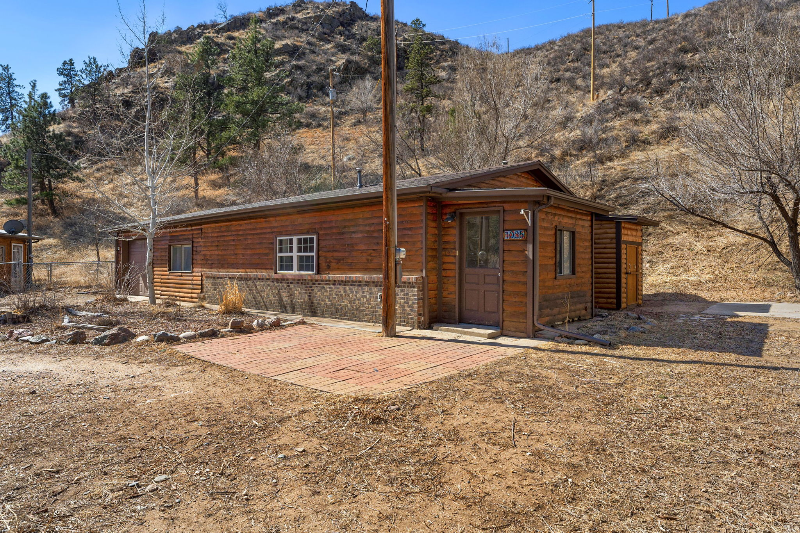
645	72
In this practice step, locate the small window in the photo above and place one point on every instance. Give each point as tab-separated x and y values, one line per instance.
297	254
180	258
565	252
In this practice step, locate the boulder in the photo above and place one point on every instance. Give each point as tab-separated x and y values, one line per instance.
187	336
581	342
275	322
260	323
3	337
236	323
163	336
114	336
39	339
210	332
142	338
74	337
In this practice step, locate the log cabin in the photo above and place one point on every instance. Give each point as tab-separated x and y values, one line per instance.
13	256
511	247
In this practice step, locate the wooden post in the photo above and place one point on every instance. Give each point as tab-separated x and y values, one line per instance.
333	142
591	81
667	8
388	93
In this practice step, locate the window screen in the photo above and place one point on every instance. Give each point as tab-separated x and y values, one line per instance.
565	252
297	254
180	258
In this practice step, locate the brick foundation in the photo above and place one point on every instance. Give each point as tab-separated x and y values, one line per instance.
344	297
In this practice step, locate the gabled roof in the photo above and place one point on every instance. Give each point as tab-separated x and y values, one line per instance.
440	183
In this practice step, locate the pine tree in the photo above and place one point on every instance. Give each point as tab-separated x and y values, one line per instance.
10	99
420	79
69	84
255	93
202	96
90	81
34	130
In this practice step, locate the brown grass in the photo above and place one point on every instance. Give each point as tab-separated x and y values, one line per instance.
232	299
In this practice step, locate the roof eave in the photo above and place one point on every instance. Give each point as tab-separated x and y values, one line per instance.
559	197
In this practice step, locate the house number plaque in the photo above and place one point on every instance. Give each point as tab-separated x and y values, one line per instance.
515	234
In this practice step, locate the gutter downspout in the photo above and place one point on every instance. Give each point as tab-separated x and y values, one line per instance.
536	322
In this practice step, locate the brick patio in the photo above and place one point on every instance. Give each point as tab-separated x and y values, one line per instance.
345	361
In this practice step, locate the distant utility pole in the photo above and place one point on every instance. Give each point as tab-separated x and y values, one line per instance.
651	10
29	273
508	45
388	94
667	8
591	81
332	97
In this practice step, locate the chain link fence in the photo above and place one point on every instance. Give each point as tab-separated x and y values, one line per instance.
16	277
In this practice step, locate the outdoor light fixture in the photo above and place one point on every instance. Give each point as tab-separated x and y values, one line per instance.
527	214
451	217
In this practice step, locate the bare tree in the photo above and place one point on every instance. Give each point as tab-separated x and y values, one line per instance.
140	144
741	165
363	97
497	110
274	171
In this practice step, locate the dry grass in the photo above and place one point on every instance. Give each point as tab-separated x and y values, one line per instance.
232	299
693	427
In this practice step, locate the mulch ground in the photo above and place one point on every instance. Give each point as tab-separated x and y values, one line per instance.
693	426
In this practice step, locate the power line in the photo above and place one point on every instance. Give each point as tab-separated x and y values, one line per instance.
506	18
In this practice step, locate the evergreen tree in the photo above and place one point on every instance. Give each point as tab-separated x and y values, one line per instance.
69	84
10	98
255	93
34	130
90	81
420	79
201	95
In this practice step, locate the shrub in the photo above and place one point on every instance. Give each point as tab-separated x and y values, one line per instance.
232	300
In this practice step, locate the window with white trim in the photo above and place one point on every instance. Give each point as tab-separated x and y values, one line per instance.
297	254
180	258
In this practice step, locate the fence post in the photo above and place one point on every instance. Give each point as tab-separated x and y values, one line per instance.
50	273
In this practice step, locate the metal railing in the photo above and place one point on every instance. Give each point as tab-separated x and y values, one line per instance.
17	276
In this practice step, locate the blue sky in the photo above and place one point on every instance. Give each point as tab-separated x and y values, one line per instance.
36	36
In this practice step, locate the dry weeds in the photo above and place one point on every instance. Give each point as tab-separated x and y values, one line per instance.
691	427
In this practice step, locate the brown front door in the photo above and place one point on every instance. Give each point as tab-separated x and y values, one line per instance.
633	271
481	265
136	275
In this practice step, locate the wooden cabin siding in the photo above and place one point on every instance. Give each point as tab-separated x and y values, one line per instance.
522	179
183	286
566	296
433	222
631	233
605	264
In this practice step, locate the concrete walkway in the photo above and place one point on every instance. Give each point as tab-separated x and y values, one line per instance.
346	360
765	309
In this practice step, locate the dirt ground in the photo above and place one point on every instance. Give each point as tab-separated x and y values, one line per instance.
692	426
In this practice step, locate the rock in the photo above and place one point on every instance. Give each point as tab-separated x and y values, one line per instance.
161	478
187	336
393	408
152	487
114	336
74	337
299	449
636	329
163	336
17	333
581	342
236	323
142	338
260	323
281	456
229	330
642	317
39	339
275	322
632	315
211	332
300	321
106	321
26	338
32	391
3	337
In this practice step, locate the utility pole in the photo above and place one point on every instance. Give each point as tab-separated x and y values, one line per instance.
667	8
388	93
29	270
332	97
508	45
651	10
591	81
